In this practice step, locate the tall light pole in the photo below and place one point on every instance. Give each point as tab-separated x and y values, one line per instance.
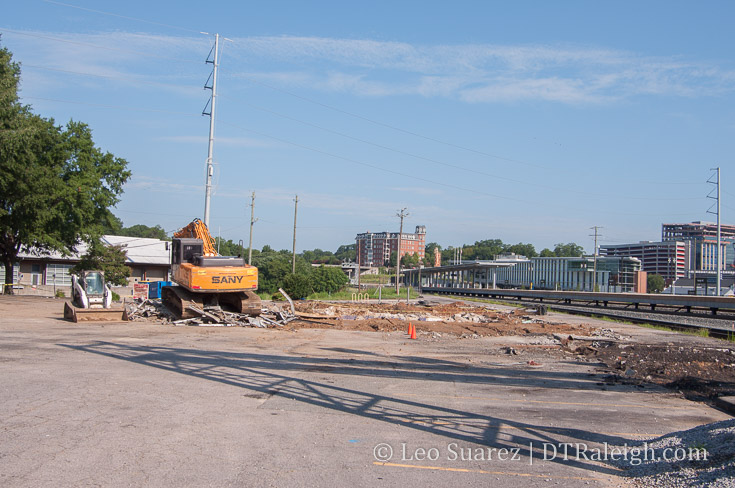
401	214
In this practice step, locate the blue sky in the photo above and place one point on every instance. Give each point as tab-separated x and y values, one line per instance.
520	121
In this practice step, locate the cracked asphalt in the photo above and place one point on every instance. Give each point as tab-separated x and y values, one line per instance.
121	404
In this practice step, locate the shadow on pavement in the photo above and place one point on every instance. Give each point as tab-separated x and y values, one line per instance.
276	376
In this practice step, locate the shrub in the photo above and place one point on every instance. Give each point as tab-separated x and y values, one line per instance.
60	294
297	286
328	280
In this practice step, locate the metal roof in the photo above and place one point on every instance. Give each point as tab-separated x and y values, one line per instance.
141	250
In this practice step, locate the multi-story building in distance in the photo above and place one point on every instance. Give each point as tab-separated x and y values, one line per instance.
668	258
703	250
685	250
374	249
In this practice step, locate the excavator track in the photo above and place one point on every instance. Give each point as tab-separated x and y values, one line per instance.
178	301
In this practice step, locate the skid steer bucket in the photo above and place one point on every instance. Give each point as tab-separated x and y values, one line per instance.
76	314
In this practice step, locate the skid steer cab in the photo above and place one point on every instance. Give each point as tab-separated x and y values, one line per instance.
91	299
90	290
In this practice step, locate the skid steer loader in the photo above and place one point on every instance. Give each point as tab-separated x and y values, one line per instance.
91	299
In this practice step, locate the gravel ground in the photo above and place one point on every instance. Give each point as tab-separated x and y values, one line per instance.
714	441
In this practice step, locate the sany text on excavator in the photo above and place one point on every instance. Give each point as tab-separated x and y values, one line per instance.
207	280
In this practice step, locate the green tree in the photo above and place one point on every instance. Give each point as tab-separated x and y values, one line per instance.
429	253
272	270
547	253
109	259
325	279
523	249
568	250
56	187
655	283
140	230
410	260
229	248
347	253
318	256
274	267
298	286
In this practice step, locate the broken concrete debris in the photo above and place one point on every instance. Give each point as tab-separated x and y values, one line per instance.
146	309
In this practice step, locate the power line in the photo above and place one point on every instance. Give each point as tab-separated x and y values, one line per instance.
120	16
97	46
115	107
323	128
412	133
443	163
109	77
392	127
379	168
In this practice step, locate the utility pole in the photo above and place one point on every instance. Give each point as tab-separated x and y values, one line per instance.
253	220
295	210
210	168
357	247
401	214
594	275
719	231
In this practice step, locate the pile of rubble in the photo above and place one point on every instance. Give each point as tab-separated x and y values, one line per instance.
146	309
436	314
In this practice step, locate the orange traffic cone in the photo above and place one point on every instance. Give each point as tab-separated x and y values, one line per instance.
409	328
413	332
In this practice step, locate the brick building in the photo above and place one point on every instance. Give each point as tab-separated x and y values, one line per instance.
374	249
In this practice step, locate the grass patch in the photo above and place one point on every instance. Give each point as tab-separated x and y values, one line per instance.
372	294
376	279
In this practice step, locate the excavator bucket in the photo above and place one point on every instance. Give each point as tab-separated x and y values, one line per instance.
76	314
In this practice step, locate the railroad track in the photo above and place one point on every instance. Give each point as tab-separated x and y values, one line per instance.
721	325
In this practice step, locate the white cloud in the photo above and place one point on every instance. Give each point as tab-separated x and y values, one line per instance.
474	73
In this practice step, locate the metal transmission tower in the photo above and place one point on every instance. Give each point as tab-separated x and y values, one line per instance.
594	275
253	220
401	214
717	211
212	58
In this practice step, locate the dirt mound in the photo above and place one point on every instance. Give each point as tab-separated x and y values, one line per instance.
698	372
455	318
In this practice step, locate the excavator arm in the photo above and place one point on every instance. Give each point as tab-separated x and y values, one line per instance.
198	230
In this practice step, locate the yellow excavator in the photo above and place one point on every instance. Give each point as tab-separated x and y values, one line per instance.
206	280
